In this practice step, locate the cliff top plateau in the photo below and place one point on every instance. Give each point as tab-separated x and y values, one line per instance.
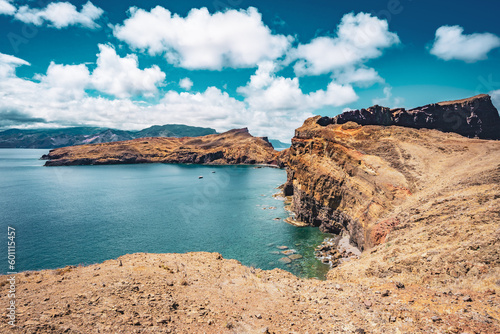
471	117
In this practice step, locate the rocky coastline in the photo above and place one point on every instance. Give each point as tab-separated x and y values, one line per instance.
414	202
234	147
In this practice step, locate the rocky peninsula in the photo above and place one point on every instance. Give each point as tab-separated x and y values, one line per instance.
420	200
229	148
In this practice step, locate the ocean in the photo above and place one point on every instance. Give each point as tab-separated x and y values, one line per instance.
81	215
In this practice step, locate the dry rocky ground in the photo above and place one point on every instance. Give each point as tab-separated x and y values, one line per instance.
203	293
423	205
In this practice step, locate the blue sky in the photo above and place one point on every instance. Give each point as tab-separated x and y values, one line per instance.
266	65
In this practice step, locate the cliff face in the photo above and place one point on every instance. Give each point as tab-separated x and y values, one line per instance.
472	117
426	204
232	147
343	177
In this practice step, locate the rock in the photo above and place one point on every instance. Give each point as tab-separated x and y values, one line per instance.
165	320
285	260
295	257
360	331
233	147
282	247
400	285
386	293
467	299
288	252
258	316
367	303
435	318
472	117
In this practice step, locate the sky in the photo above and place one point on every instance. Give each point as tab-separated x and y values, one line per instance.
265	65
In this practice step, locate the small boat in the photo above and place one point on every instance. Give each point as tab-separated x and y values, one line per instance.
213	171
200	177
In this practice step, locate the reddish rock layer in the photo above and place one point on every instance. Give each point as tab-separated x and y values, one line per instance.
232	147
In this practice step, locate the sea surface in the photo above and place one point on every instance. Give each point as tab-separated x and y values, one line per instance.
87	214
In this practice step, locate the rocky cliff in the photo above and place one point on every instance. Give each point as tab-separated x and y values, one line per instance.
423	204
472	117
232	147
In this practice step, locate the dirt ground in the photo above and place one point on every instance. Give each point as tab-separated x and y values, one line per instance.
203	293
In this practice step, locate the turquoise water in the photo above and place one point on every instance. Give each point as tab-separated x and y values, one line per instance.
88	214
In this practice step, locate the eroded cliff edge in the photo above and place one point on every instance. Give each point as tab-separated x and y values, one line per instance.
474	117
232	147
425	203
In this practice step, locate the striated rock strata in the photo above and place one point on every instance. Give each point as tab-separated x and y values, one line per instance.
424	203
472	117
232	147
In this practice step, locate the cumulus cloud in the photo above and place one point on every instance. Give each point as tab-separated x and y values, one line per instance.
234	38
267	91
276	101
60	15
359	38
186	83
65	82
44	101
122	77
451	43
7	8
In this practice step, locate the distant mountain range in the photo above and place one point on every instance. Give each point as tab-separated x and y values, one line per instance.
54	138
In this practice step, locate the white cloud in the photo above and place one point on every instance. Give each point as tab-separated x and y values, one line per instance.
186	83
122	77
388	100
7	8
234	38
278	104
359	38
61	15
8	65
65	82
43	100
362	77
266	91
451	43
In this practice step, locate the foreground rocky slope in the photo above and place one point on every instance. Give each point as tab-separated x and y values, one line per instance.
423	204
232	147
203	293
472	117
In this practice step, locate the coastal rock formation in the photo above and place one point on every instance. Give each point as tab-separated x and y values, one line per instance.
204	293
423	204
232	147
472	117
